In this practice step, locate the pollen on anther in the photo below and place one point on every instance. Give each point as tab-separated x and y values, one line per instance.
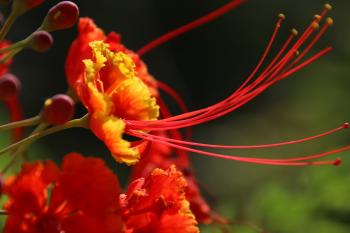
281	16
328	6
294	32
317	17
329	21
346	125
315	25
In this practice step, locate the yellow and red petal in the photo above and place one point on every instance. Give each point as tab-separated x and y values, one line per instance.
133	101
113	74
80	50
110	130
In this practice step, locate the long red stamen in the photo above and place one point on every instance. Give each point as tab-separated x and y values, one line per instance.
296	161
328	23
282	65
171	92
272	74
317	136
190	26
179	101
174	134
274	34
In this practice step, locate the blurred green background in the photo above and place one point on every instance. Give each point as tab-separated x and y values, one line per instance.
205	66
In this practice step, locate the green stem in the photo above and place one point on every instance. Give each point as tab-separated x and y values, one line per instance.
82	122
21	149
17	124
8	23
10	55
20	44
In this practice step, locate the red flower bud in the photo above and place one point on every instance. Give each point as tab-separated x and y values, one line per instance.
9	86
58	110
61	16
41	41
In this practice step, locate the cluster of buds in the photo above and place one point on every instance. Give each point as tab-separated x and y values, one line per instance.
122	98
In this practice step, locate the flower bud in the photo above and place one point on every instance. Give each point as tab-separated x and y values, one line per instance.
41	41
58	110
61	16
9	86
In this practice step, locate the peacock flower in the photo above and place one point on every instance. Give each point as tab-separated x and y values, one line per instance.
288	60
79	197
112	92
154	203
159	156
84	196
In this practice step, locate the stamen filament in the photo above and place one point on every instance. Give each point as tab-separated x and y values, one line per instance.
171	92
190	26
274	34
317	136
273	73
297	161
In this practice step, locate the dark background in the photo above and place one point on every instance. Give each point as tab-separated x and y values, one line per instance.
205	66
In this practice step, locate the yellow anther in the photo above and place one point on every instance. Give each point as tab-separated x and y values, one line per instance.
297	53
315	25
281	16
329	21
317	17
294	32
48	102
328	6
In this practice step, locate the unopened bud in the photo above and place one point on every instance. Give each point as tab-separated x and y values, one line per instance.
9	86
58	110
41	41
61	16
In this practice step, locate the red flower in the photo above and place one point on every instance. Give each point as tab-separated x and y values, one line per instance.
83	198
158	155
158	204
